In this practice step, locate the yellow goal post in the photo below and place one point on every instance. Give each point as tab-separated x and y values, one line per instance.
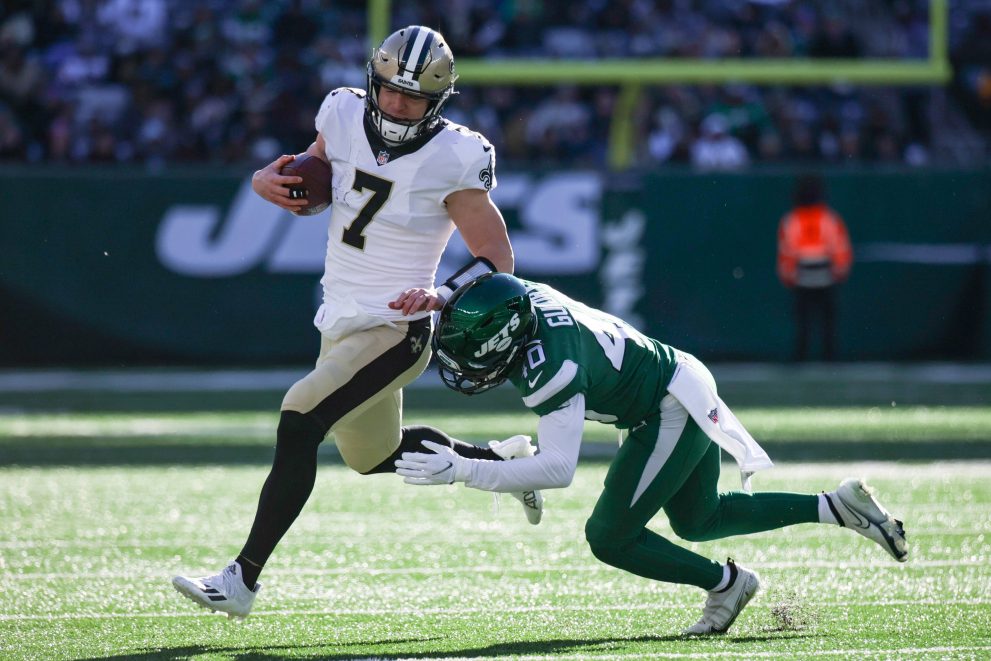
632	75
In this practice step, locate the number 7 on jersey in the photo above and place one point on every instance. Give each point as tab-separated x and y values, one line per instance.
354	233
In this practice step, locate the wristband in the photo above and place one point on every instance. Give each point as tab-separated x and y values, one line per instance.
473	269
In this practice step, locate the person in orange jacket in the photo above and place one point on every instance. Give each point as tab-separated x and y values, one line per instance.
814	257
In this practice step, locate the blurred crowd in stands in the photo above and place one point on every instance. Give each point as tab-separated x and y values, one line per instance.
161	82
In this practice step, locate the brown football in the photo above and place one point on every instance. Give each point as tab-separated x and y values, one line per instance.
316	184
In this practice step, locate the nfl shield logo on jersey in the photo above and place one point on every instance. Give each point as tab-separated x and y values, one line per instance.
714	416
383	157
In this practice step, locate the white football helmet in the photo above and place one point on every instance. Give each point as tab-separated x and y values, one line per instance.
416	61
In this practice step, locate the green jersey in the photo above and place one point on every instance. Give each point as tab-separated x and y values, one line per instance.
622	373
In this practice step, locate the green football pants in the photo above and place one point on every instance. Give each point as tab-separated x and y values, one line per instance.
671	464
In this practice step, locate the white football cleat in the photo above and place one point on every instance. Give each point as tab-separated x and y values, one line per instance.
513	448
722	608
857	509
224	592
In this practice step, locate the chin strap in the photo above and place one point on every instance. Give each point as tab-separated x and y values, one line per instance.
473	269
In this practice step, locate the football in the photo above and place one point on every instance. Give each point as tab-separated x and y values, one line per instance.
316	184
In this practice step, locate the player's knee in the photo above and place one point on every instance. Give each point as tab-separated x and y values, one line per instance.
298	431
387	465
690	529
605	542
410	440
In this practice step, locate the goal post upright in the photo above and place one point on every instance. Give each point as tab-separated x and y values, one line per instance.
633	75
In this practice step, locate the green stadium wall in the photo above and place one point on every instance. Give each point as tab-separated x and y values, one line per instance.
115	267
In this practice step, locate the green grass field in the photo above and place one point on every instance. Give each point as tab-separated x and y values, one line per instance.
98	511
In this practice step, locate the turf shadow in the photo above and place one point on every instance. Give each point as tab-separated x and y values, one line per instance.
336	652
246	653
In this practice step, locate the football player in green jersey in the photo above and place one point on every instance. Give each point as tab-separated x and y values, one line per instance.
571	363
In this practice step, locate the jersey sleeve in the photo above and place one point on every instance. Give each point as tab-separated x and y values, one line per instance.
552	390
559	436
330	116
548	381
477	156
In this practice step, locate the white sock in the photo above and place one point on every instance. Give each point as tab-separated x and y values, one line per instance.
723	583
825	512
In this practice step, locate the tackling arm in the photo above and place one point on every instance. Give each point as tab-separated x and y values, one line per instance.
559	437
553	467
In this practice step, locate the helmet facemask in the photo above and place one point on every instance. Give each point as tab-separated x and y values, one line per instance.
481	333
415	61
471	378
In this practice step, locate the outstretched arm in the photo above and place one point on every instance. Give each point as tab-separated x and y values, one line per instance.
559	436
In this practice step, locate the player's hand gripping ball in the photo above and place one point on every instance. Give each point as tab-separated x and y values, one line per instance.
315	188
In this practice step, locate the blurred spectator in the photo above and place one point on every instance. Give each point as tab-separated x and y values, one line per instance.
59	135
249	23
973	60
716	149
134	24
295	27
12	143
83	63
22	78
774	40
559	126
180	80
745	115
770	147
834	38
666	140
156	131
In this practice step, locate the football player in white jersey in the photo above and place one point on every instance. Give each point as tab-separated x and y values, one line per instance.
403	179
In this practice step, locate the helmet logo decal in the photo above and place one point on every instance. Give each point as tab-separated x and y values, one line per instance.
501	340
403	82
447	360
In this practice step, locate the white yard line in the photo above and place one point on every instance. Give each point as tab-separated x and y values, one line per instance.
851	653
463	535
979	561
583	608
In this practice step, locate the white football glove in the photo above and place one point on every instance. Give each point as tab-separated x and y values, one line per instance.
442	466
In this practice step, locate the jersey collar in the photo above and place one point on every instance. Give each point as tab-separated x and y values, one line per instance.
384	152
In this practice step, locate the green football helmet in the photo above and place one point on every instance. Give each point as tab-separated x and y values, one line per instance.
481	333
